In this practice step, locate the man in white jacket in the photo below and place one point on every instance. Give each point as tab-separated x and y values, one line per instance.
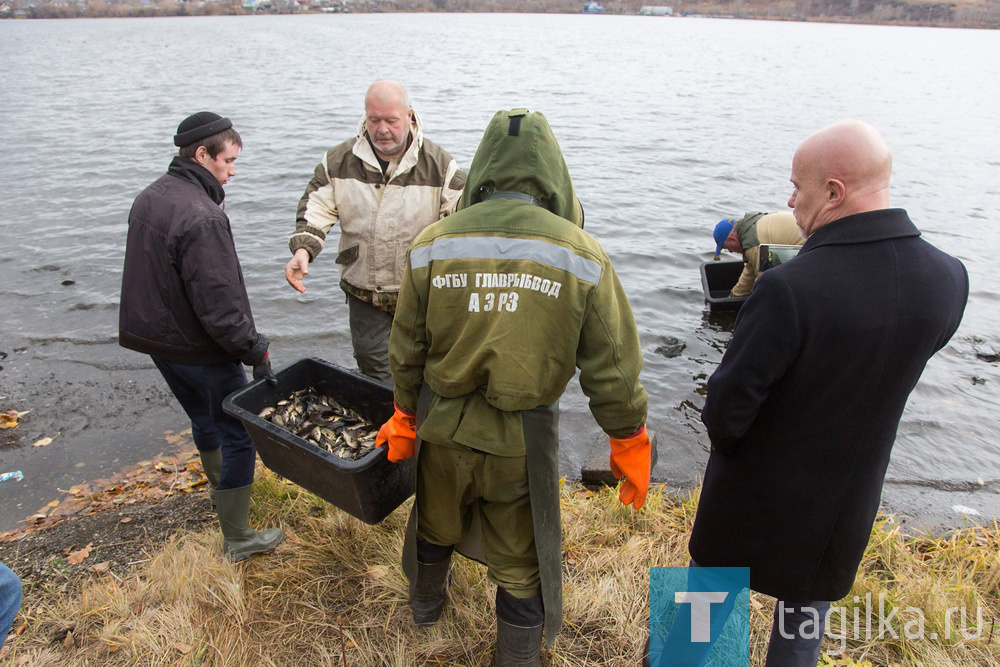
383	187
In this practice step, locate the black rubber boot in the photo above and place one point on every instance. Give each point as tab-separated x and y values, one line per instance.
430	589
519	630
211	463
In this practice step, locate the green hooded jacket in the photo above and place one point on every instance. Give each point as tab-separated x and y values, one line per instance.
499	304
508	296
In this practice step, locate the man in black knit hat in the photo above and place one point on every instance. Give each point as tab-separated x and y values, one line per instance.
184	303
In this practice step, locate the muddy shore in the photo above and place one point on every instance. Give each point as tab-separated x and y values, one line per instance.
109	409
105	411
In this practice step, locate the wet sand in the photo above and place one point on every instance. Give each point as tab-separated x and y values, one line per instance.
105	411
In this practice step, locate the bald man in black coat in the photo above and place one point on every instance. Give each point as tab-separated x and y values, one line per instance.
803	409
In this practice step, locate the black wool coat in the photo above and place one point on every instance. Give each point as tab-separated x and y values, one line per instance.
803	409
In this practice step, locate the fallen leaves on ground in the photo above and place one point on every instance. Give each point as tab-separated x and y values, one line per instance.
10	418
44	441
166	475
77	557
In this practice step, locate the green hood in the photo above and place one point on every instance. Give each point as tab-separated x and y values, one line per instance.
520	154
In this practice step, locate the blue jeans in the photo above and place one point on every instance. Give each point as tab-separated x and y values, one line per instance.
10	600
200	389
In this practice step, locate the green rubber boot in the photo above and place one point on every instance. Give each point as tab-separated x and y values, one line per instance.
241	541
211	463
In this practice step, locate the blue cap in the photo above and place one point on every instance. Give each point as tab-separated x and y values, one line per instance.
721	233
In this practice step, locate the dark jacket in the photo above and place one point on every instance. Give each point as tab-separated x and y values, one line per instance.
183	297
802	412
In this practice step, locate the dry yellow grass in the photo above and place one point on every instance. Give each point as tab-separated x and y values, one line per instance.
334	594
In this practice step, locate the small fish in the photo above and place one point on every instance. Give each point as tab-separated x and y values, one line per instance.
349	439
325	423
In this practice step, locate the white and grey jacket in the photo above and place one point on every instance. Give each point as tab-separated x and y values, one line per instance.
379	213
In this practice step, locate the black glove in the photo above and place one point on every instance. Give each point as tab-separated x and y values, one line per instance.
262	369
257	351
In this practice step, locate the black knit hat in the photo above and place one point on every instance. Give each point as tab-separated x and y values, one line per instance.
198	126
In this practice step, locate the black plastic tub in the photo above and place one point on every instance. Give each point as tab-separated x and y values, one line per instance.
370	488
717	278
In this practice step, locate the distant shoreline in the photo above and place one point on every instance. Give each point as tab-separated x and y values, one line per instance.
971	16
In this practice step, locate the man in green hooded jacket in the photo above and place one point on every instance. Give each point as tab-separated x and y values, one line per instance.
499	304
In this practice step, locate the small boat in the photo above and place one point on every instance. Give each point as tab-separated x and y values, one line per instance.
717	278
592	7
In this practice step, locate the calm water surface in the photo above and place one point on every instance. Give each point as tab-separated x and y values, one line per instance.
667	125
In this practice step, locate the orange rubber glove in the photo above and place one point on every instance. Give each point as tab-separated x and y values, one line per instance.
630	457
401	434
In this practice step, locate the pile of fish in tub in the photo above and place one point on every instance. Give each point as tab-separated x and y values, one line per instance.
325	423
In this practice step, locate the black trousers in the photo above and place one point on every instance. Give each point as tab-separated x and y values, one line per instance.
200	389
797	633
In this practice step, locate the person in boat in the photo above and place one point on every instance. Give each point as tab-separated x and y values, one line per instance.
383	186
499	304
184	303
802	411
745	235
